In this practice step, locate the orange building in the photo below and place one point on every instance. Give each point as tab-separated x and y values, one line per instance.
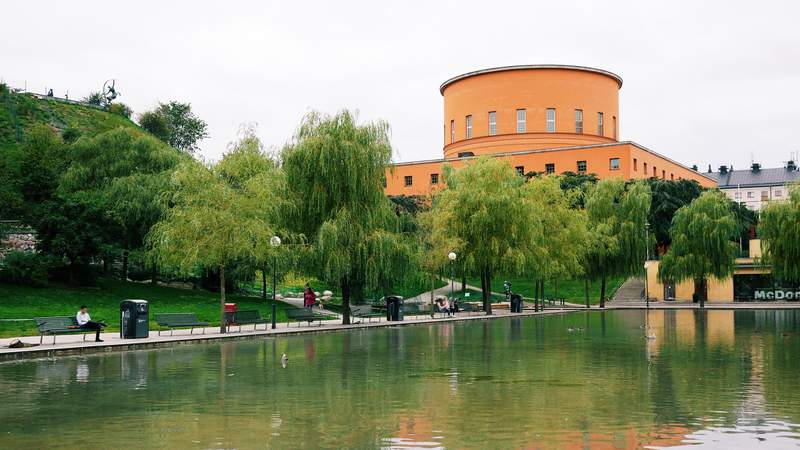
542	118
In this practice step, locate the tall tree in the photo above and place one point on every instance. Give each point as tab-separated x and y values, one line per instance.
668	196
780	236
217	219
482	209
702	236
125	173
617	219
175	124
335	169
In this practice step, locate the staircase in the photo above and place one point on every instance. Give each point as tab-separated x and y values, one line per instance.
630	293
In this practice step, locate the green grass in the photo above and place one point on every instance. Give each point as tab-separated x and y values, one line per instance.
18	302
571	290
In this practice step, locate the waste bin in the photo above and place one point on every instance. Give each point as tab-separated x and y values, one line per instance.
134	320
394	308
516	303
230	313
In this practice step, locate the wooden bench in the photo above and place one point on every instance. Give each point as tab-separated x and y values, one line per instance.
179	320
469	308
60	325
366	312
303	315
249	317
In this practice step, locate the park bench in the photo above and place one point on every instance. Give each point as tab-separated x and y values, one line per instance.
416	309
179	320
469	308
366	312
248	317
303	315
59	325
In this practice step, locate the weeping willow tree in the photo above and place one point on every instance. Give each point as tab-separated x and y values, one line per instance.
780	236
219	214
617	239
335	170
558	234
703	246
482	210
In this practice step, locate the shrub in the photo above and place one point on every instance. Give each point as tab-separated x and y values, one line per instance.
24	268
94	98
121	109
71	135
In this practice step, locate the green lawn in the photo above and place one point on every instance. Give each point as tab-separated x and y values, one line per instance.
18	302
571	290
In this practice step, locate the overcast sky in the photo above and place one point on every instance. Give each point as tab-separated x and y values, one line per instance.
705	82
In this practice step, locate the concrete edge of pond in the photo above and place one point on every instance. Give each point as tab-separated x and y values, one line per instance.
115	344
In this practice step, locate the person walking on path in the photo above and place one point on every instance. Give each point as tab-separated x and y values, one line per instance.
309	298
85	321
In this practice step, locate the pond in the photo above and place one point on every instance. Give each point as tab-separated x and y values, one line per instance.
719	379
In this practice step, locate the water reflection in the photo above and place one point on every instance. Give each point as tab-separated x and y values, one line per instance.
720	378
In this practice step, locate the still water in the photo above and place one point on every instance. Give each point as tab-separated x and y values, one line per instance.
720	379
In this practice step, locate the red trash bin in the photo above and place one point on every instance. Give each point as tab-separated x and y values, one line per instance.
230	314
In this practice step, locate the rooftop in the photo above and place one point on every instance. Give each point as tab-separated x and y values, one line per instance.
611	75
762	177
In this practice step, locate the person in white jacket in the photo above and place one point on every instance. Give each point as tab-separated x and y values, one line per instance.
85	321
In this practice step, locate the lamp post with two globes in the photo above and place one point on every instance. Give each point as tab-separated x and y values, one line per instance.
275	242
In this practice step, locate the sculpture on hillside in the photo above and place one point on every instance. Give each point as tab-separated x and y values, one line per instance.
109	91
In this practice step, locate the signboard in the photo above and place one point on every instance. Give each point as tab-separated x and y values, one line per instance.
776	294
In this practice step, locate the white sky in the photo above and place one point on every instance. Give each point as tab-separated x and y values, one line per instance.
705	82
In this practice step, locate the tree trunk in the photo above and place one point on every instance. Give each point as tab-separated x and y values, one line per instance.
345	301
222	299
603	291
154	274
535	296
544	299
264	285
463	284
488	295
700	291
586	291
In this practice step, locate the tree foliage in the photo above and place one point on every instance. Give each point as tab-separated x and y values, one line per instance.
702	236
334	169
175	124
218	216
481	216
668	196
780	236
617	218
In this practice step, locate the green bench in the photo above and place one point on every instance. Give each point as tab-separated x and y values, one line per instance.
179	320
366	312
469	308
248	317
59	325
303	315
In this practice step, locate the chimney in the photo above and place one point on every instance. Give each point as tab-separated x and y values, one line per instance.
694	167
723	170
790	166
709	169
756	167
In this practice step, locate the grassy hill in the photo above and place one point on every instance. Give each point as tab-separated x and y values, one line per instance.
20	112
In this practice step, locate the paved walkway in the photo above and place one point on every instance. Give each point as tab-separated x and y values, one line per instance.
74	344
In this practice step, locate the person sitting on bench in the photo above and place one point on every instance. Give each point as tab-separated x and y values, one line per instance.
86	322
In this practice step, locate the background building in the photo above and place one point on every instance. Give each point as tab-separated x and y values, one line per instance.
542	118
755	187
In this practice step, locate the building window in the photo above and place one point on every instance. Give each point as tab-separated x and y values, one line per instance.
465	154
645	169
434	178
581	166
452	131
613	163
550	168
600	124
663	174
409	180
521	116
654	172
672	176
749	194
614	118
492	123
469	127
778	193
520	170
764	196
636	165
551	120
737	195
579	121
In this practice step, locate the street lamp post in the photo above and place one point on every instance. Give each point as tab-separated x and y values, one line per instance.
646	258
275	241
452	256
